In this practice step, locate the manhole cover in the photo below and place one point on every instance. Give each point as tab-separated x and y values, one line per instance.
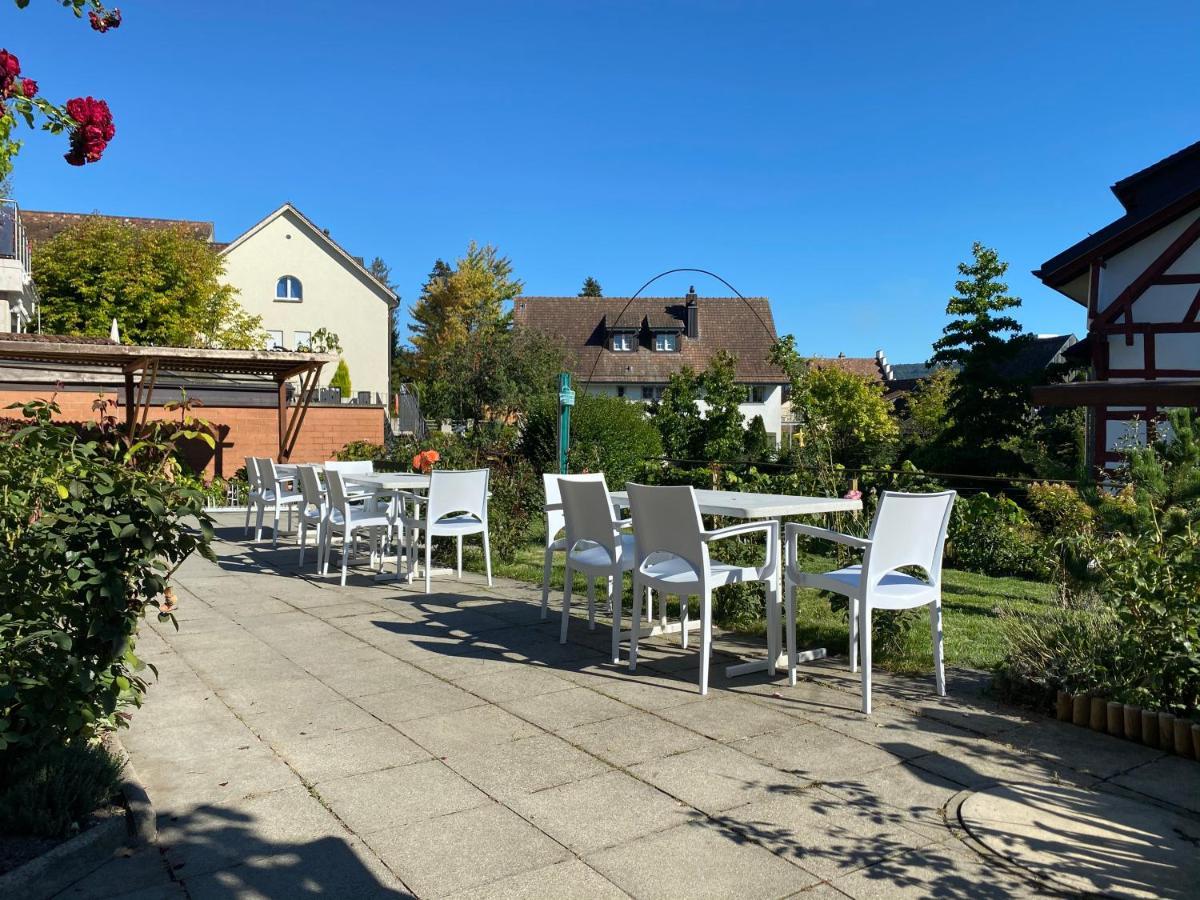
1086	840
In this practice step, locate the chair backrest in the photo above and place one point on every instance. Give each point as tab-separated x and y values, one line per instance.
351	467
555	520
909	530
457	492
667	520
252	473
310	486
268	474
589	514
337	490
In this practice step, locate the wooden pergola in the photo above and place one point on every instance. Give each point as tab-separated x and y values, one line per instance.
1145	393
139	368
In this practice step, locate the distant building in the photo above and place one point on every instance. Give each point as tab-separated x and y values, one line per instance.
630	349
18	297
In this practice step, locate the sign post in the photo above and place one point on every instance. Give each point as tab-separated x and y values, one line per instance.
566	399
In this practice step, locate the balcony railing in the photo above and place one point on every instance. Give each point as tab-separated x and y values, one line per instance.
13	242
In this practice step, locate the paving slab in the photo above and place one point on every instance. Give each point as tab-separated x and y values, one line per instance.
638	737
320	759
467	729
377	800
571	880
525	766
1169	779
561	710
811	753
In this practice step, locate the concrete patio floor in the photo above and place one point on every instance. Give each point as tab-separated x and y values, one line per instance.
305	739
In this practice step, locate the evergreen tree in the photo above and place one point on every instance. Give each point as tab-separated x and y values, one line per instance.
591	288
724	425
341	379
677	416
988	407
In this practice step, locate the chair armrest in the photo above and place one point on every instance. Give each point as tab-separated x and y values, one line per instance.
618	524
794	529
770	528
552	507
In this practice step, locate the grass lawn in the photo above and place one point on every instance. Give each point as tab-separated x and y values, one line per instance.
972	605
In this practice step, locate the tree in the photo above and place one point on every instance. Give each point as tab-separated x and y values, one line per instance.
161	285
927	416
988	408
86	120
591	288
677	416
341	379
724	424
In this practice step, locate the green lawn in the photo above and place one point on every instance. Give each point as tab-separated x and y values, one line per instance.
972	605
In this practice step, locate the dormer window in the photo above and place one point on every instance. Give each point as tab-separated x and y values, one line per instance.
288	289
666	342
624	342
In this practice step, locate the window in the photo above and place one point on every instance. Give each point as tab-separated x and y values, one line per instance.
301	339
649	392
289	289
274	340
756	393
666	341
622	342
620	390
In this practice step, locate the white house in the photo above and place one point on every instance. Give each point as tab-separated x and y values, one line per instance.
18	298
630	349
1139	280
299	280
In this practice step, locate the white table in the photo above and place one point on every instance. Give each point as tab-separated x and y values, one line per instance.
392	481
741	505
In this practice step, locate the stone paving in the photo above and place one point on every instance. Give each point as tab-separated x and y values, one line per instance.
372	741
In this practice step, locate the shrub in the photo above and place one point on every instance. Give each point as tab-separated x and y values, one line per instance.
341	379
360	450
994	536
93	529
608	434
50	794
1059	511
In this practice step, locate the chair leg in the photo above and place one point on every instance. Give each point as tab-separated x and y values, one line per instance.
458	549
249	507
864	639
772	590
301	538
258	521
591	603
320	545
683	620
609	595
635	625
662	607
853	609
939	667
789	599
275	527
487	556
347	547
614	603
568	585
547	569
428	562
705	638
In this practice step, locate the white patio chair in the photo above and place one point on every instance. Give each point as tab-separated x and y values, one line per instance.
278	494
351	467
314	512
908	530
254	495
673	558
346	519
597	547
556	525
454	506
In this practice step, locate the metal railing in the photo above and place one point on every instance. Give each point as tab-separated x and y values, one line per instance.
14	243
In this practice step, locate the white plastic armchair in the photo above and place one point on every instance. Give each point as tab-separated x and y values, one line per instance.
673	558
596	547
909	530
556	526
344	518
455	506
254	495
276	492
314	512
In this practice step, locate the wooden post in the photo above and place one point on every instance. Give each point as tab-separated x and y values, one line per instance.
283	422
130	408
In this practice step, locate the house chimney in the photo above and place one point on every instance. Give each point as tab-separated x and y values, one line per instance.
691	314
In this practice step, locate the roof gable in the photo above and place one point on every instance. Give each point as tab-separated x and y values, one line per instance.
316	234
744	328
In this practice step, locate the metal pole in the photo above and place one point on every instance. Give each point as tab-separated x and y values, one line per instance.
566	399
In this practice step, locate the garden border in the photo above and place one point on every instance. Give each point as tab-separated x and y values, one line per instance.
132	828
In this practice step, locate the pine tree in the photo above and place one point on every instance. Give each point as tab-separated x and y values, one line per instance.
591	288
341	379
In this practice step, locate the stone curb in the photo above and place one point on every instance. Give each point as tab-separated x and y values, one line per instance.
78	857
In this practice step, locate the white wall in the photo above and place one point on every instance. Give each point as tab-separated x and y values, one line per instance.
771	409
336	297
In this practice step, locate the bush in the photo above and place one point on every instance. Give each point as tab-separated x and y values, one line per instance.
994	536
93	530
360	450
50	794
1059	511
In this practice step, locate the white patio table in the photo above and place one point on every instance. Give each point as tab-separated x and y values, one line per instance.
740	505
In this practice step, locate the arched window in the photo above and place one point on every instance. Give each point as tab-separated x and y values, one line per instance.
288	288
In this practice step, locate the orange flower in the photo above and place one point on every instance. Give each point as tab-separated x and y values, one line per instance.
424	461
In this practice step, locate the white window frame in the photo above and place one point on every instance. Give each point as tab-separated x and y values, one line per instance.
288	284
623	342
666	342
756	389
298	341
651	392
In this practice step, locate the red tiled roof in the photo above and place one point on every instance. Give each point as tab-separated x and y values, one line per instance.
42	225
864	367
744	328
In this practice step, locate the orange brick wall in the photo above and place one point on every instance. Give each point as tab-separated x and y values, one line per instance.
244	430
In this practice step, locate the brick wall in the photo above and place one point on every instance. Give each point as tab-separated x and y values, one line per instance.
243	430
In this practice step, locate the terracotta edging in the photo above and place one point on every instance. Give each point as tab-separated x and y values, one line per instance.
77	857
1154	729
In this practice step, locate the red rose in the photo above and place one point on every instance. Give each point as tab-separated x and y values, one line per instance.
9	64
29	87
76	109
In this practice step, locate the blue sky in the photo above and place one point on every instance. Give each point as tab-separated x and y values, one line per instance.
839	158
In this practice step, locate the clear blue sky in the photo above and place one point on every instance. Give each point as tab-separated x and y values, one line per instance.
839	158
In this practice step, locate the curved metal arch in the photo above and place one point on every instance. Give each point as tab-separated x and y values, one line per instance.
600	350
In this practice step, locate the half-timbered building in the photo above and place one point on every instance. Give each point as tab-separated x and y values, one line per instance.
1139	279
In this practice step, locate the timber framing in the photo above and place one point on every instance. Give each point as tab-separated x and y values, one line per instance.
139	367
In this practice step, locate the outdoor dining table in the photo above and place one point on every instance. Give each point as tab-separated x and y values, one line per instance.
741	505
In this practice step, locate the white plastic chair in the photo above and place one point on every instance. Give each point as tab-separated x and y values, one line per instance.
556	525
673	558
314	511
254	496
345	519
278	494
596	547
454	506
908	530
351	467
